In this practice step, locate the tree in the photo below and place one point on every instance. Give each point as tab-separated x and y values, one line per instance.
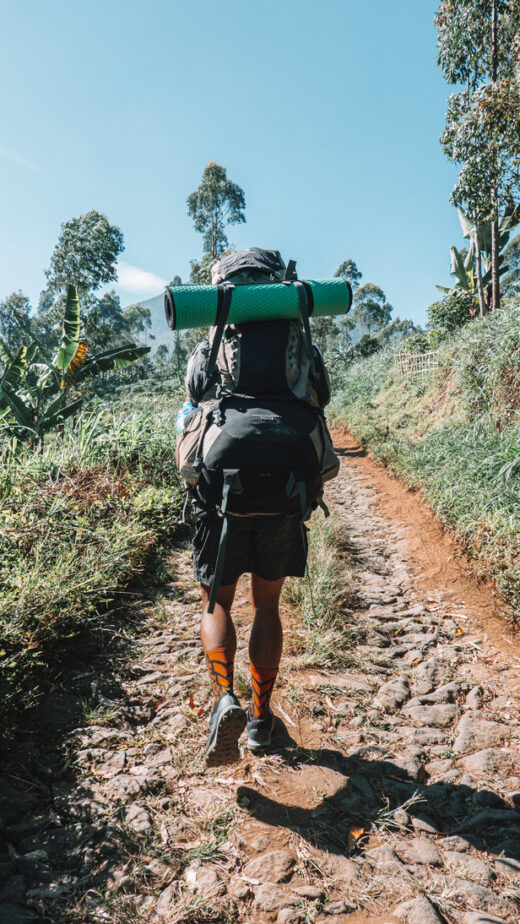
86	254
215	203
349	271
13	309
176	281
137	319
371	308
34	388
478	45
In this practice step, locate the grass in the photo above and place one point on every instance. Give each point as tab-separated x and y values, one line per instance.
456	437
78	521
321	634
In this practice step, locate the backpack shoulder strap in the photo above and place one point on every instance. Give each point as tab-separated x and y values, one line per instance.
225	294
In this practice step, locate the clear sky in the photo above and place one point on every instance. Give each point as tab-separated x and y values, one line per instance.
326	113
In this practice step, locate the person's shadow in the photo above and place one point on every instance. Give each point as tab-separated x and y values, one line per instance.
373	790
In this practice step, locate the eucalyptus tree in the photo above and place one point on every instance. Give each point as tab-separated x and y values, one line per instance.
479	42
371	308
215	203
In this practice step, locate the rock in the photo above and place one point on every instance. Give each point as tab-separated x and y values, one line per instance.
14	914
437	715
443	694
275	866
150	678
423	736
474	734
472	895
289	916
420	850
137	818
238	889
313	893
510	847
166	899
53	890
401	818
339	907
423	822
342	870
508	866
491	761
474	698
454	842
476	917
204	879
271	897
385	858
488	818
469	867
428	675
392	694
417	911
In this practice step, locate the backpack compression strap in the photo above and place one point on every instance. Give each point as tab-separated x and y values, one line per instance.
229	477
303	304
225	293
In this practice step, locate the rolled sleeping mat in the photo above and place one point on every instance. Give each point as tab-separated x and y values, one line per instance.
197	306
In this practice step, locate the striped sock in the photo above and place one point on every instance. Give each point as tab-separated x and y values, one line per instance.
220	663
263	682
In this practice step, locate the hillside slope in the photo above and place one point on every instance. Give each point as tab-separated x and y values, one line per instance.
456	436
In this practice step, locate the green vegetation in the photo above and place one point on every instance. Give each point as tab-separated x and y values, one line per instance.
456	436
33	389
78	522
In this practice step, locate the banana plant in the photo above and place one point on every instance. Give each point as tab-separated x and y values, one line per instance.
467	265
33	390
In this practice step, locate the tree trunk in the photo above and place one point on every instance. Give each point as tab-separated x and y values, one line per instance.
495	246
478	262
495	251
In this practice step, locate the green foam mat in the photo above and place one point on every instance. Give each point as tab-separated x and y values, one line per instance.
196	306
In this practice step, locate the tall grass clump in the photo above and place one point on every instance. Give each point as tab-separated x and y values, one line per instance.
77	521
319	602
456	436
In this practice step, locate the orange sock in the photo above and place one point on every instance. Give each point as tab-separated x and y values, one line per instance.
220	663
263	682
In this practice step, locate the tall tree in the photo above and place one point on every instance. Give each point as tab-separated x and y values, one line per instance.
215	203
13	309
86	254
478	45
349	271
371	308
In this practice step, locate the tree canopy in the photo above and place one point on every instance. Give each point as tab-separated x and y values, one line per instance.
215	203
86	253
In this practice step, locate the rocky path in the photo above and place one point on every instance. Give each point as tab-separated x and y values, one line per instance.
392	793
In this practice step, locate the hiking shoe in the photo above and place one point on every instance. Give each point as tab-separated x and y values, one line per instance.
260	732
226	724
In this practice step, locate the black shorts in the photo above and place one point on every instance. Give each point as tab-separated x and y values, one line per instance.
270	547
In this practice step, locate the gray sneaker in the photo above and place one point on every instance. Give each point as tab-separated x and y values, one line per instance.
226	724
260	732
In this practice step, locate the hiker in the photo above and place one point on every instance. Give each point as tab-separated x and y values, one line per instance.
255	450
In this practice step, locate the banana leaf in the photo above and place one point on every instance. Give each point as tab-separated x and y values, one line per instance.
458	269
112	359
71	327
21	412
59	415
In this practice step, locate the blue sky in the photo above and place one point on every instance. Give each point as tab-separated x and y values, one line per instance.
327	114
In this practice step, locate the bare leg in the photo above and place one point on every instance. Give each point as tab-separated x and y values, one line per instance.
266	641
265	645
217	629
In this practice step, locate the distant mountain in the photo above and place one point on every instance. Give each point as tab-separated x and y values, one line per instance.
159	328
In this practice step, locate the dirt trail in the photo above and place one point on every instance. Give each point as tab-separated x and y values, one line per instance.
391	794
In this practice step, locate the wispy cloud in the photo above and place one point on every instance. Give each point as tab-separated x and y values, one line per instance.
133	279
16	158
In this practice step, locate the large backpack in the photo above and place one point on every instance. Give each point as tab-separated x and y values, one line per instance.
256	442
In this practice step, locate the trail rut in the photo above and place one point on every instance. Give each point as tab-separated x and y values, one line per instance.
392	793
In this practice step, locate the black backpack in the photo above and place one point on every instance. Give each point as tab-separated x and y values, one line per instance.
257	442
